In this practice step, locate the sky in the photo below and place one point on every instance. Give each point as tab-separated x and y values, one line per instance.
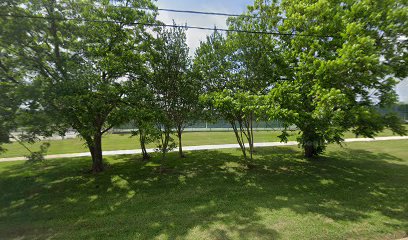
194	36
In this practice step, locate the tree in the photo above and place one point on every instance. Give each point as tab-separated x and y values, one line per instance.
238	109
8	107
345	58
187	108
8	82
144	119
147	132
237	71
175	90
142	112
12	84
10	99
79	55
224	94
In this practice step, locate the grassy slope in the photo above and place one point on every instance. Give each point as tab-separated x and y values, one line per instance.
357	192
124	142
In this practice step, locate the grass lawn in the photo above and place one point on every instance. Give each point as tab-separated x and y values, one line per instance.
125	142
356	192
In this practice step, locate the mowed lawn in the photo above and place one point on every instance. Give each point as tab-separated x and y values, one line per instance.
126	142
356	192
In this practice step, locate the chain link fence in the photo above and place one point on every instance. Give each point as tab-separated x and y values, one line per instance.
217	126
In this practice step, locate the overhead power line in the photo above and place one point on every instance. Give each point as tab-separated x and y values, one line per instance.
203	13
165	25
189	11
218	14
196	12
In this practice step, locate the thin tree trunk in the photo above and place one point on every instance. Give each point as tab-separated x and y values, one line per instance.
165	143
142	137
239	139
248	132
179	135
251	136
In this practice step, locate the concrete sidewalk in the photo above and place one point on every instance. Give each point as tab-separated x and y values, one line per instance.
196	148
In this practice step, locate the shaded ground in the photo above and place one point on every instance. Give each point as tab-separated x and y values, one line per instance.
358	192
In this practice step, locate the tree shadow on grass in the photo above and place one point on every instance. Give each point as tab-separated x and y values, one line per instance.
208	195
346	185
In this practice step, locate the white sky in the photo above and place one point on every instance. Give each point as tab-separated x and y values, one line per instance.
402	90
194	36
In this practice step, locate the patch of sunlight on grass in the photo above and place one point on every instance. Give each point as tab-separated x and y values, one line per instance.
326	182
71	200
162	236
119	182
182	179
200	208
152	164
93	198
18	203
130	194
281	198
231	164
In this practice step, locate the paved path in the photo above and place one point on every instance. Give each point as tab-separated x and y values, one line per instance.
196	148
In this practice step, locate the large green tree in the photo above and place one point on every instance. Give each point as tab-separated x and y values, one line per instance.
344	59
79	56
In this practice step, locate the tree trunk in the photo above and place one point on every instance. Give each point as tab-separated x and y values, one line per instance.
311	143
251	136
239	139
96	153
165	143
310	151
179	134
142	137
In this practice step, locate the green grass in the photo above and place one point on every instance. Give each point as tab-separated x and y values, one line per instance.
125	142
356	192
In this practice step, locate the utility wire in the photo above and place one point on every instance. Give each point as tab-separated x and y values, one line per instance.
166	25
197	12
182	11
206	13
217	14
194	12
203	13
